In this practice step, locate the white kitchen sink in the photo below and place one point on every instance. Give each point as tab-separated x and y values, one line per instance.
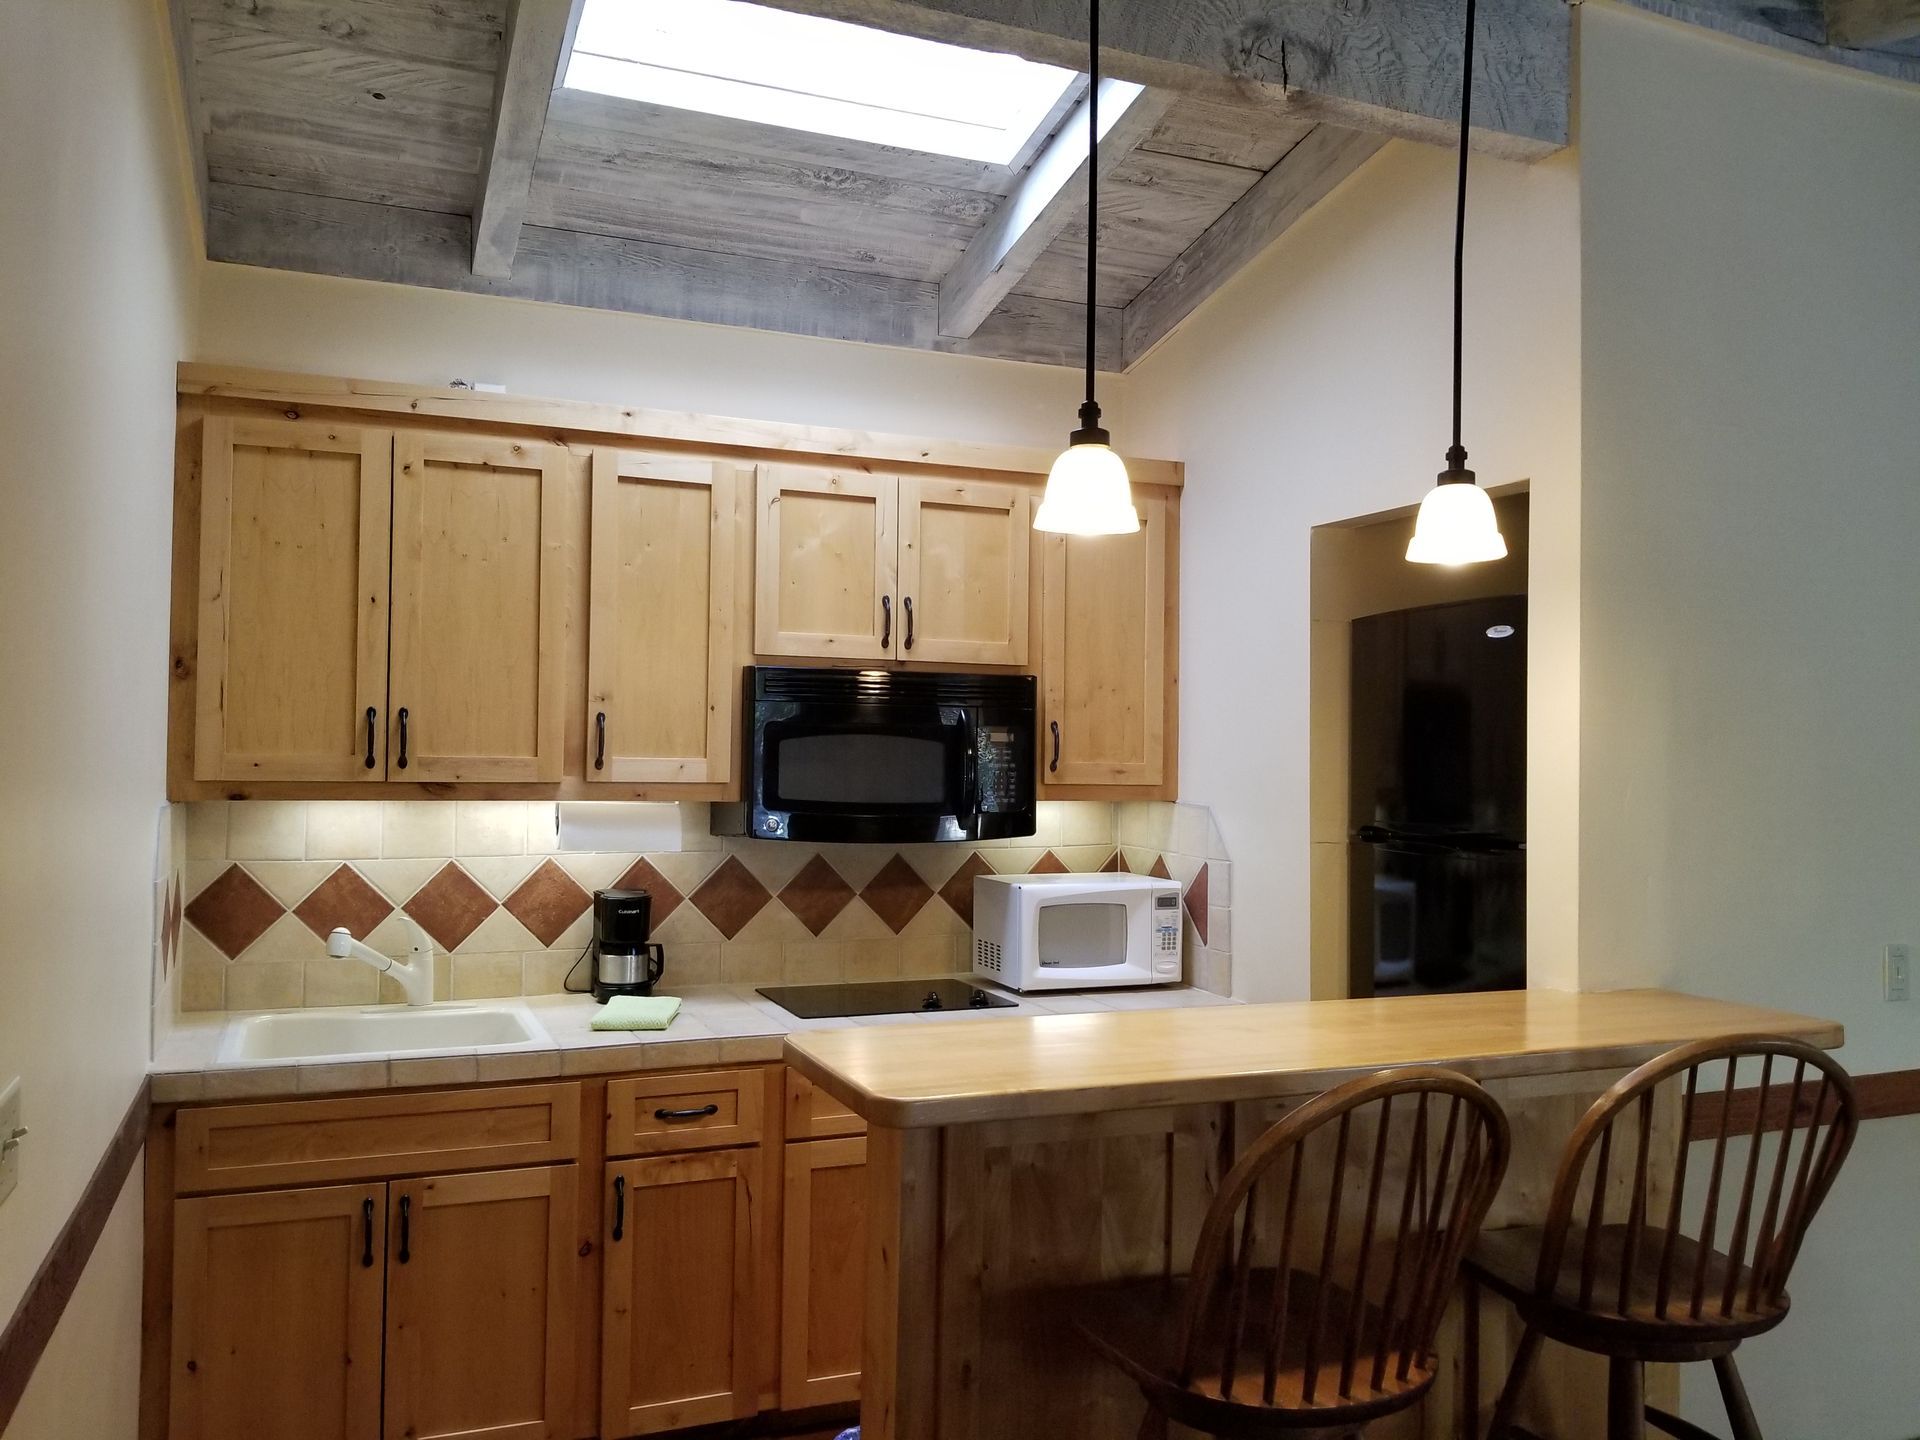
385	1030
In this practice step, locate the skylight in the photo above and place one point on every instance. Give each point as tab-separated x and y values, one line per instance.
725	57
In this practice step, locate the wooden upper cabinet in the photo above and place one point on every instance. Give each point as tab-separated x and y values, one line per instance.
826	559
276	1315
292	669
677	1300
963	571
1104	668
823	1292
477	689
480	1287
662	671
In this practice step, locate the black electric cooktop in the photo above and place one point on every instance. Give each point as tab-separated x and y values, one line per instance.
881	997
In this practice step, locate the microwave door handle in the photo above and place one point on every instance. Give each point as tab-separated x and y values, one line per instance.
970	777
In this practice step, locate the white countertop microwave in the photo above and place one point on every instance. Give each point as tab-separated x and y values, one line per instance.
1076	932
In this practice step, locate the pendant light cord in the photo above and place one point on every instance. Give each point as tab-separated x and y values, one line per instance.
1093	190
1460	233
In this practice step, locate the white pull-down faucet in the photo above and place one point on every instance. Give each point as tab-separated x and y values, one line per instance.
415	976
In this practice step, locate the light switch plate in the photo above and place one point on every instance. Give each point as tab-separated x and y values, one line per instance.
1899	971
9	1122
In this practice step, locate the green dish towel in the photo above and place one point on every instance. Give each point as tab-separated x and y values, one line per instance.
637	1012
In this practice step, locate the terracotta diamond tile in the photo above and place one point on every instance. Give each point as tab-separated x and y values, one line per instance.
730	897
817	894
343	898
642	876
1114	864
1159	868
450	906
897	893
1049	864
547	902
958	891
234	911
1197	903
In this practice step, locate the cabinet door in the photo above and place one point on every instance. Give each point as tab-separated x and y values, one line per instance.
292	670
1103	600
823	1292
676	1345
480	1281
824	567
478	556
276	1314
662	685
963	572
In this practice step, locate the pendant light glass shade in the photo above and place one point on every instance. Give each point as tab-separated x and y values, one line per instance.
1456	526
1087	494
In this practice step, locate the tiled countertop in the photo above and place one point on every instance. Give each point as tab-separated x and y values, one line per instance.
717	1025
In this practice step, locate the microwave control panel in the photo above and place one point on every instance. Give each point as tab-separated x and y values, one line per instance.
998	756
1166	934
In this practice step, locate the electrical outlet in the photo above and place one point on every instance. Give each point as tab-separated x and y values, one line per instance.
12	1132
1899	971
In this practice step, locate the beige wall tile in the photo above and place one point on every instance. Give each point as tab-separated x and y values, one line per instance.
926	955
496	935
1219	928
267	830
1049	823
203	985
687	869
410	828
1087	822
343	830
749	962
290	881
265	987
485	977
594	872
544	972
499	874
812	962
686	925
287	939
490	827
341	982
1191	825
696	827
697	963
207	830
543	836
351	1075
399	879
435	1070
873	960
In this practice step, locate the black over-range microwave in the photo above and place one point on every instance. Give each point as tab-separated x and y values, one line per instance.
883	757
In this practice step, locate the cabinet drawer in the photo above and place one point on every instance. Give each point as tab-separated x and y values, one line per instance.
304	1142
700	1110
813	1114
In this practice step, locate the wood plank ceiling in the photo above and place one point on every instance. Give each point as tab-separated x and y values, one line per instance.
363	138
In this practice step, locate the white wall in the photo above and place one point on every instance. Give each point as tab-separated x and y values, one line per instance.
1314	387
322	325
96	260
1751	606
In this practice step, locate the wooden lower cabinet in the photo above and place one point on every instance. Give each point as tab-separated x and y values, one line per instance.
480	1272
277	1314
823	1293
677	1307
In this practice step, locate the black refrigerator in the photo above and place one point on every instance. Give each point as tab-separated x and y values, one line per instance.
1438	799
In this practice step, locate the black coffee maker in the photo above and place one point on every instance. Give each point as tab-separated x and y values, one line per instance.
622	961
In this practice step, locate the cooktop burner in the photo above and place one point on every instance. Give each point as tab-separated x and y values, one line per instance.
881	997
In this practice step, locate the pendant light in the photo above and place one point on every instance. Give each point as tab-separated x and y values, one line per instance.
1087	491
1456	524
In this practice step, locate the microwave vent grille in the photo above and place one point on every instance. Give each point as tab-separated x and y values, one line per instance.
986	956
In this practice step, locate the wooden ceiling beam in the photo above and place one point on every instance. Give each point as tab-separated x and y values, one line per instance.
1049	195
1393	66
1304	177
533	50
1864	24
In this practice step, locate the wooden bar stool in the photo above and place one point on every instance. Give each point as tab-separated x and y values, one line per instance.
1673	1277
1304	1314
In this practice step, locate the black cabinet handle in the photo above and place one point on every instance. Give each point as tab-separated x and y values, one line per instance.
366	1226
1053	765
371	713
600	741
402	761
406	1228
907	605
619	1207
886	621
700	1114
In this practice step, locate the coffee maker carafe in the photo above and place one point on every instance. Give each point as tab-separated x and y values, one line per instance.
622	960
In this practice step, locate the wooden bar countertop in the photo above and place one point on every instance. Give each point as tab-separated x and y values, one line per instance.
913	1076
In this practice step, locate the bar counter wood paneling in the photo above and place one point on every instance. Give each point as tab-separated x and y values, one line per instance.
1010	1157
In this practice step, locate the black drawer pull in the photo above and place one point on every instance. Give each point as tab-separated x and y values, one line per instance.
886	621
907	605
406	1228
1053	765
371	713
700	1114
600	741
402	762
619	1206
366	1225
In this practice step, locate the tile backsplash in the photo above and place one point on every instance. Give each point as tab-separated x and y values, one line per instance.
510	912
